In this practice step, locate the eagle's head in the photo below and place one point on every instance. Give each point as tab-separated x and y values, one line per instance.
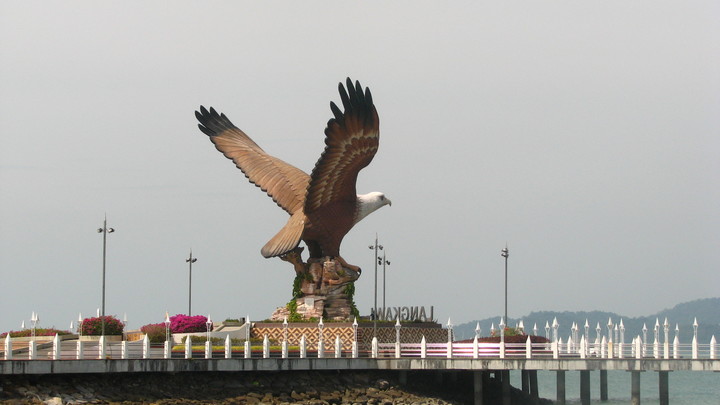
368	203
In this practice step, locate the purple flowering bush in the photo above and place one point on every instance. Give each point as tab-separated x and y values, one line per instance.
188	324
93	326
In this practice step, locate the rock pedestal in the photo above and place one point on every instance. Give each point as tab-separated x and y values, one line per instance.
324	288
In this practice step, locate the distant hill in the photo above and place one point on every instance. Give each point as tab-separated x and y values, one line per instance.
707	312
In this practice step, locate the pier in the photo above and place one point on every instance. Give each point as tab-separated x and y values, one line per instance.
56	356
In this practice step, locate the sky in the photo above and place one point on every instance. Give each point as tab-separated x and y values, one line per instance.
584	135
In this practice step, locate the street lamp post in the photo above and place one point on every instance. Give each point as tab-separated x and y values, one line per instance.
34	318
355	338
587	332
321	345
397	330
167	326
376	251
124	322
384	262
190	260
505	253
208	341
547	330
104	230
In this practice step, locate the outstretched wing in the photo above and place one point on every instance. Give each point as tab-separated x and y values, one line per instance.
284	183
351	140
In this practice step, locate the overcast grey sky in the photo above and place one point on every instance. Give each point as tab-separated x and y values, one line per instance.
582	133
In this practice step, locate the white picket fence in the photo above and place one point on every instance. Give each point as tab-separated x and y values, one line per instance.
142	349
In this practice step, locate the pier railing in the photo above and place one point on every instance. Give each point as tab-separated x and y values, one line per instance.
57	349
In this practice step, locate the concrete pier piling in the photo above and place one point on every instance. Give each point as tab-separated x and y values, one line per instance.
585	387
560	387
635	388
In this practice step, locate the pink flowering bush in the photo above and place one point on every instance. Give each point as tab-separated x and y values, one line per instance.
188	324
93	326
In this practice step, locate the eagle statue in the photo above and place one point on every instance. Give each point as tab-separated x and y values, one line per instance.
324	205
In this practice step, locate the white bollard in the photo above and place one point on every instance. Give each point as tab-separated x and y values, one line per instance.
338	347
449	349
266	347
101	348
284	353
528	348
79	350
8	347
476	350
713	348
555	349
583	348
208	349
355	350
694	348
145	347
375	347
56	347
188	347
123	350
423	348
638	347
603	348
32	350
248	350
228	347
676	348
321	348
303	347
656	349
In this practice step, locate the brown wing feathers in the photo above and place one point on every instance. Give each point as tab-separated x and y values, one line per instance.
284	183
351	140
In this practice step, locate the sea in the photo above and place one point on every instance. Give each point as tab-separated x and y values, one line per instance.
686	387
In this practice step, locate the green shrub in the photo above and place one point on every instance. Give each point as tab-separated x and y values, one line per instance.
200	340
38	332
155	332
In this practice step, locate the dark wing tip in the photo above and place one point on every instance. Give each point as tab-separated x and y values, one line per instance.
212	123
